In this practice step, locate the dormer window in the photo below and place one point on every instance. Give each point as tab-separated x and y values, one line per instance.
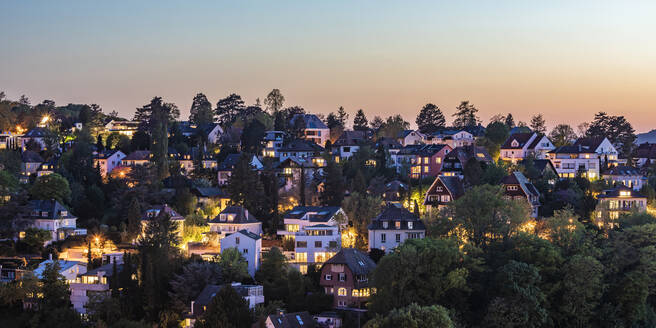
397	224
514	143
409	225
384	224
63	213
512	188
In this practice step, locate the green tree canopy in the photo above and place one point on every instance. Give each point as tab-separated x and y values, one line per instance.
415	316
51	186
227	309
430	119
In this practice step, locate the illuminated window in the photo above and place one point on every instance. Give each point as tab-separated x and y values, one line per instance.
397	224
287	171
426	160
425	169
292	227
342	291
438	160
355	293
301	257
480	155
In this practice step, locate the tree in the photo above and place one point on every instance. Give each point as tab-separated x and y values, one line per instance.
100	146
245	187
433	316
376	123
360	122
360	208
252	136
8	184
229	108
393	126
562	135
424	271
274	101
582	289
35	238
465	115
155	118
194	277
227	309
333	192
201	110
54	308
538	125
472	172
430	119
51	186
342	116
272	274
233	265
510	121
616	128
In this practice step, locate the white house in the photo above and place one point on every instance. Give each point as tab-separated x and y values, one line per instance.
225	168
452	138
410	137
348	144
273	141
315	130
67	269
248	244
602	146
127	128
52	216
522	145
314	232
94	281
108	160
253	294
572	160
233	219
625	175
392	227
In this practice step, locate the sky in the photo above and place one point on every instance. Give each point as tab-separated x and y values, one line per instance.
564	59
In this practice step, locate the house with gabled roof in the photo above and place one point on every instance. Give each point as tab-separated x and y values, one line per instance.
615	202
516	186
571	161
248	244
348	143
273	141
443	191
410	137
137	158
30	163
626	176
347	276
521	145
315	130
290	320
233	219
423	160
49	215
607	152
69	270
37	135
451	137
300	148
393	226
454	162
107	160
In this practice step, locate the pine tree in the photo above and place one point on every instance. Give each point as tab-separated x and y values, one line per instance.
430	119
360	122
134	218
229	108
342	116
201	110
465	115
510	121
538	124
333	192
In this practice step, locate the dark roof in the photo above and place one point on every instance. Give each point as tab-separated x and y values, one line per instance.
592	143
292	320
522	139
359	262
476	130
246	233
615	192
241	215
573	150
311	121
107	268
351	138
162	209
421	150
453	184
138	155
209	192
208	293
229	162
29	156
389	143
53	207
36	133
323	213
464	153
623	170
646	150
405	133
301	145
396	213
106	153
517	178
395	185
536	141
539	164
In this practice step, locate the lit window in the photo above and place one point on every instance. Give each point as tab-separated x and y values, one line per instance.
397	224
355	293
342	291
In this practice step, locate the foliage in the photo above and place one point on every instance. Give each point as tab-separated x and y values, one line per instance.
360	122
227	309
186	286
51	186
562	135
538	125
430	119
201	110
413	315
35	238
233	265
272	274
274	101
333	192
616	128
229	108
465	115
360	208
392	126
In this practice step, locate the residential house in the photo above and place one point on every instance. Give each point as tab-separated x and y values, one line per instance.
12	268
454	162
207	195
329	320
645	154
422	160
127	128
30	163
410	137
517	186
392	192
392	227
625	175
608	154
571	161
233	219
253	294
451	137
9	140
314	233
137	158
92	282
49	215
225	168
315	130
443	191
107	160
69	270
37	135
48	167
156	211
273	141
184	159
346	277
348	144
522	145
615	202
290	320
302	149
543	167
249	246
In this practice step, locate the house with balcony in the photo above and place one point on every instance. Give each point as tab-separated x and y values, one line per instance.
137	158
233	219
625	176
454	162
443	191
346	276
49	215
313	233
410	137
315	130
571	161
608	154
248	244
615	202
127	128
521	145
348	144
393	226
516	186
273	141
107	160
95	281
451	137
422	160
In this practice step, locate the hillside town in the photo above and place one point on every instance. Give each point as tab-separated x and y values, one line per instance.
270	215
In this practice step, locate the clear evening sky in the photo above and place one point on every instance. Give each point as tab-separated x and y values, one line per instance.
565	59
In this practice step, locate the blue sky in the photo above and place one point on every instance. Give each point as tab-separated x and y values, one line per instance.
563	59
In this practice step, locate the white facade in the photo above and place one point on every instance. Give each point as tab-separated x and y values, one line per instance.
108	164
387	240
68	269
316	244
249	245
412	138
345	152
223	228
568	165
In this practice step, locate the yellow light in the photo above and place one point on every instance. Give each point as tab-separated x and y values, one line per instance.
44	119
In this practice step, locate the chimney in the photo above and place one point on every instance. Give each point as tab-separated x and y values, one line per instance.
192	307
50	256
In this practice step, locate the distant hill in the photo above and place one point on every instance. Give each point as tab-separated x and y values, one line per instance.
649	137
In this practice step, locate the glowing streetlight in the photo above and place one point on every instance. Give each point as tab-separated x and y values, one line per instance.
45	119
